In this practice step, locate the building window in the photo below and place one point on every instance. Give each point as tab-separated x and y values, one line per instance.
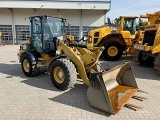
74	30
86	29
22	32
6	32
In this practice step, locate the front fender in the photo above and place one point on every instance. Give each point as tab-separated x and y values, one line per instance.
55	58
114	36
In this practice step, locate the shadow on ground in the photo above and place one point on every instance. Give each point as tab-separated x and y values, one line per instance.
14	70
41	81
142	72
77	97
11	70
148	73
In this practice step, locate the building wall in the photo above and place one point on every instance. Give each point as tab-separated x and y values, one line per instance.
5	17
89	17
93	18
57	4
77	18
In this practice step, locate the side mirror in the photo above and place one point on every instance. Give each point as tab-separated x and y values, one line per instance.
84	38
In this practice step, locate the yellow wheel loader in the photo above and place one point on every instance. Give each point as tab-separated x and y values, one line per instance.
150	47
148	50
115	43
2	42
150	19
65	59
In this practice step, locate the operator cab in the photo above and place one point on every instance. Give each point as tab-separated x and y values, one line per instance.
44	32
128	24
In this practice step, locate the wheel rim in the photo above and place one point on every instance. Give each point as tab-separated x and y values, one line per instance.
145	57
58	74
112	51
26	65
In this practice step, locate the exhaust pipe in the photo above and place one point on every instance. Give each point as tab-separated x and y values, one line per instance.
109	91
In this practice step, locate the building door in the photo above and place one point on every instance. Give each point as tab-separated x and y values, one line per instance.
22	33
7	33
74	30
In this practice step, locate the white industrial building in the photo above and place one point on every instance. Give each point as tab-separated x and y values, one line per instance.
82	15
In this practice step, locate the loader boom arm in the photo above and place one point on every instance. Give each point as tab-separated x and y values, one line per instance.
84	59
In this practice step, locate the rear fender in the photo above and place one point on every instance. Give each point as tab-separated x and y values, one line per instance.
34	61
113	37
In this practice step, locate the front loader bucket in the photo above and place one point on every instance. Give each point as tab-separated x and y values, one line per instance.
109	91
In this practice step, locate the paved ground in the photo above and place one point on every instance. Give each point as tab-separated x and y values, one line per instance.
35	98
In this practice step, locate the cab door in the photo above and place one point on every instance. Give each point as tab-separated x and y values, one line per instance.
36	34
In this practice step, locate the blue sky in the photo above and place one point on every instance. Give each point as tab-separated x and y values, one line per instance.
132	7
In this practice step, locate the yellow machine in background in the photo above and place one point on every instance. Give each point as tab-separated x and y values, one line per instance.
116	43
149	19
150	47
148	50
65	59
2	42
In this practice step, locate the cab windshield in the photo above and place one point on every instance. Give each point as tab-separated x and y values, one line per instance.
52	28
130	25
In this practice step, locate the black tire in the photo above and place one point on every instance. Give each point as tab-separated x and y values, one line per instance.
31	70
145	60
69	73
110	44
